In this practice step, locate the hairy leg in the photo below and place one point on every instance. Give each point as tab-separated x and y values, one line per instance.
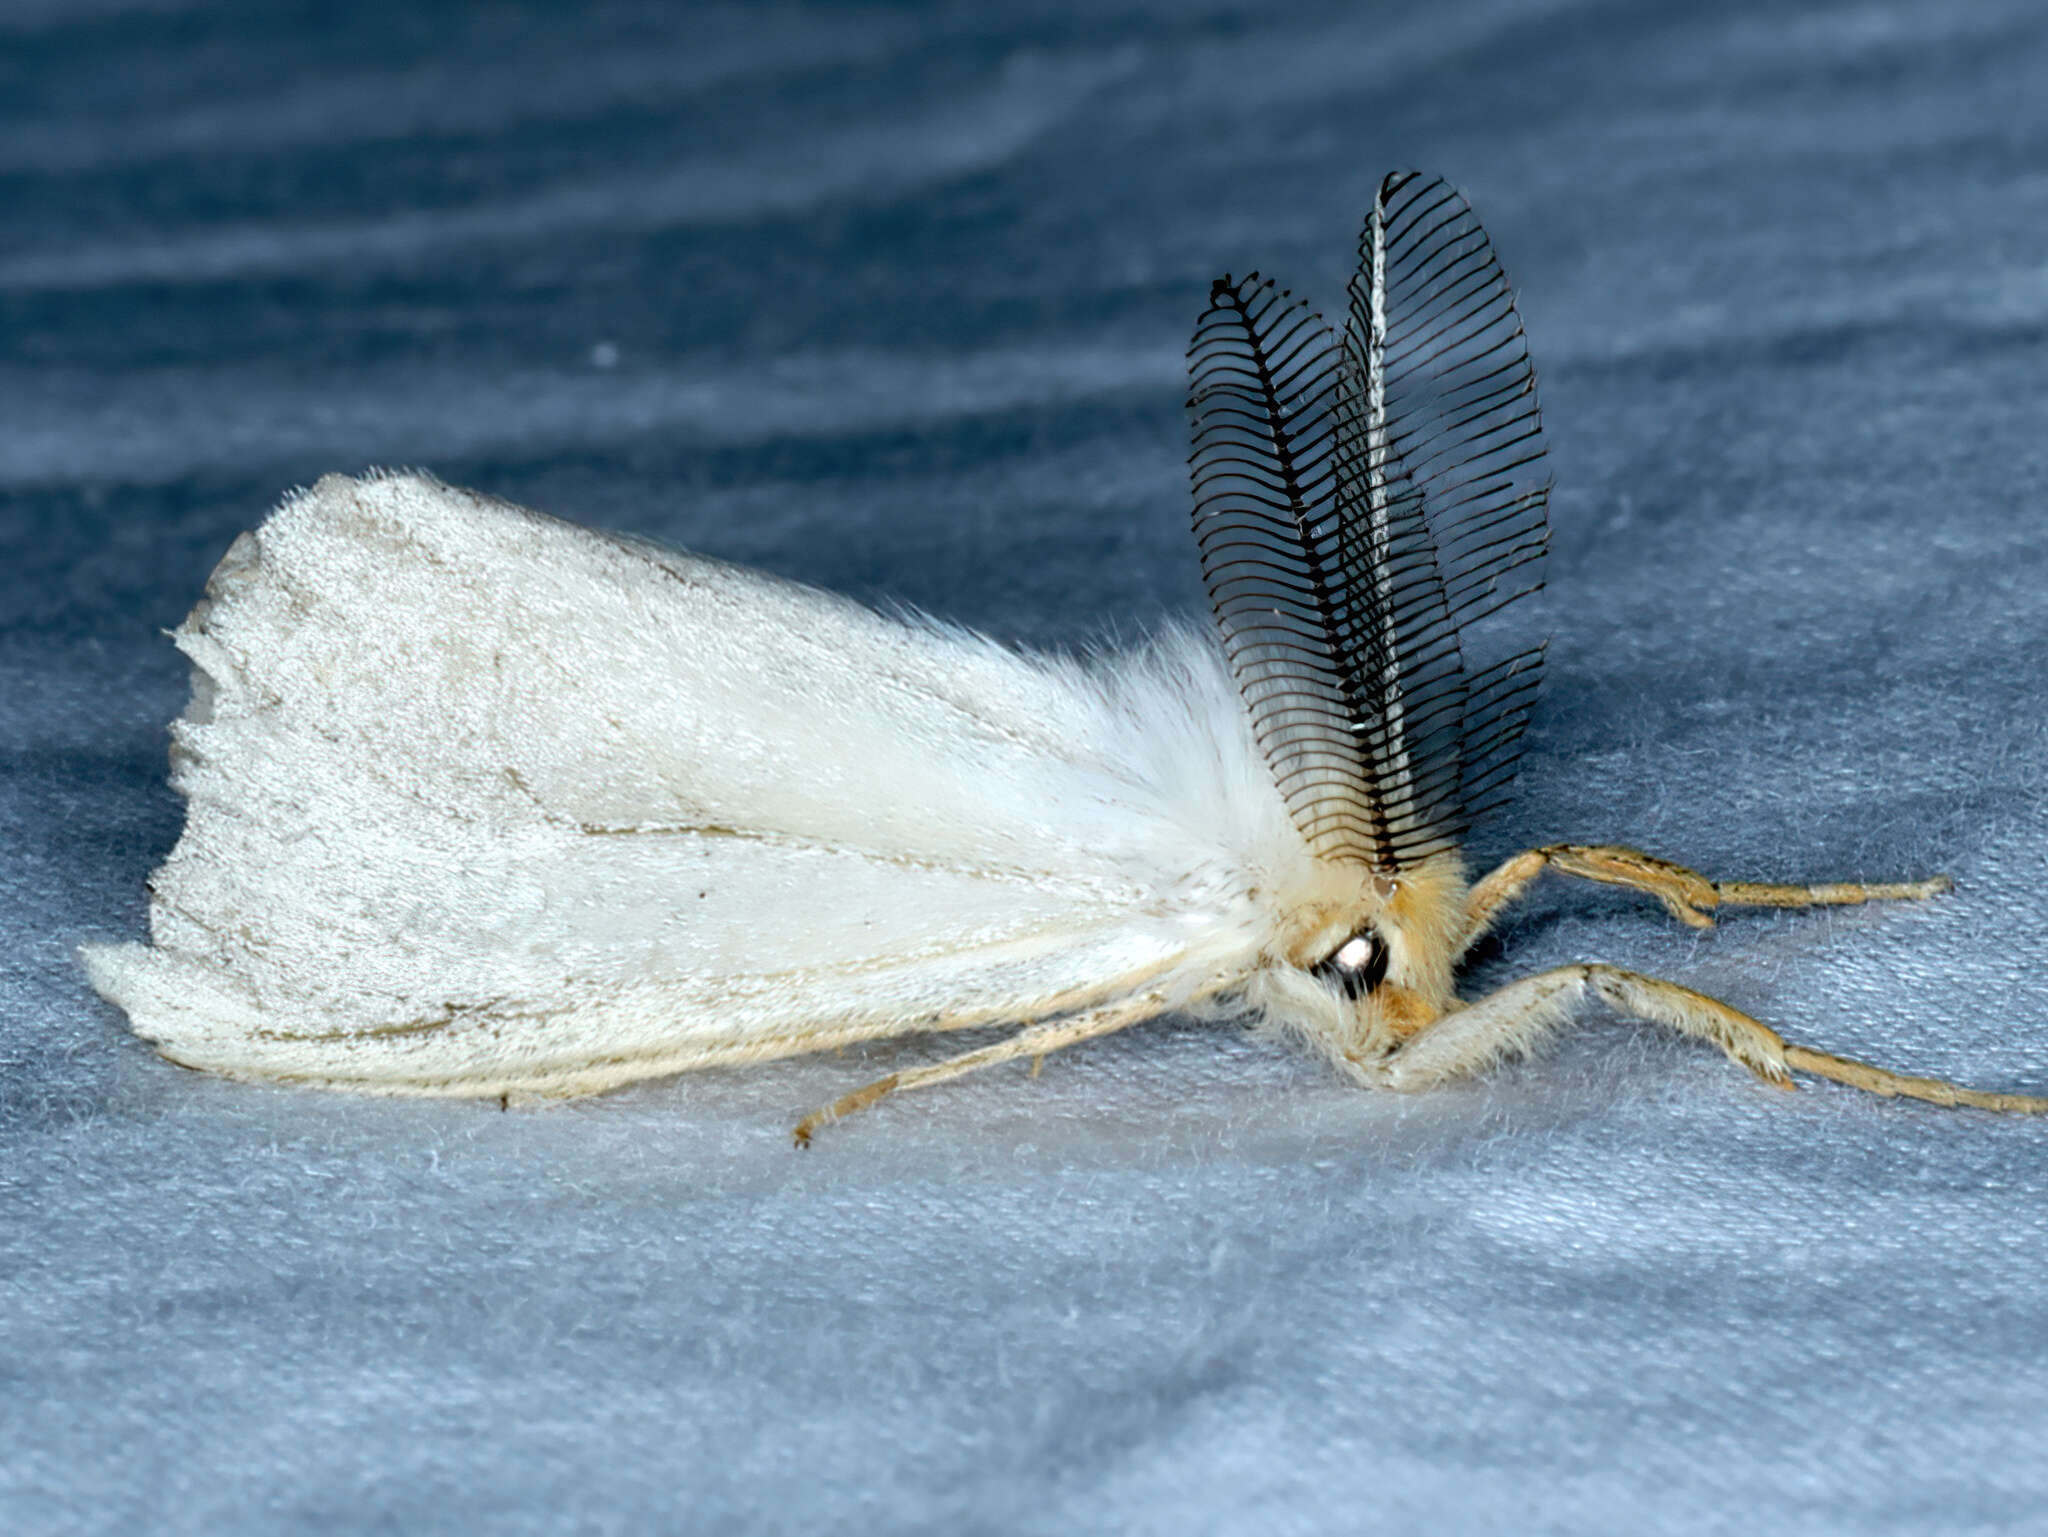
1687	895
1035	1041
1511	1020
1936	1091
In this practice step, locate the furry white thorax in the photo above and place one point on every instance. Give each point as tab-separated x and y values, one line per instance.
481	802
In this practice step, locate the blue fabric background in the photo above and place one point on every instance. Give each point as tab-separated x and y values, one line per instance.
894	300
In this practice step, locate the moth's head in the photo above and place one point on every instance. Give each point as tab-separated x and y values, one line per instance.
1367	968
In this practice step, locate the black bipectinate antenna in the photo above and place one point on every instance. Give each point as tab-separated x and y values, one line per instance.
1359	507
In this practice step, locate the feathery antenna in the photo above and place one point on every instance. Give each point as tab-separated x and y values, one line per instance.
1362	508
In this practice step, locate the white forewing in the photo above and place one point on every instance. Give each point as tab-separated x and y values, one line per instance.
482	802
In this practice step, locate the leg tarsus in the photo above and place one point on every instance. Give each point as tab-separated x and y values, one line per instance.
1936	1091
1835	894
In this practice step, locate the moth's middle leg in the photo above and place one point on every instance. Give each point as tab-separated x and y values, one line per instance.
1686	894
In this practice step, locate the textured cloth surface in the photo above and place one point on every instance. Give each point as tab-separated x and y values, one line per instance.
894	300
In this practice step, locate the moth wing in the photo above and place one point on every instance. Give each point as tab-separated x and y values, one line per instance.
481	802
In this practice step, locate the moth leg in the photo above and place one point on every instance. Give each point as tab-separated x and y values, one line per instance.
1513	1019
1832	894
1036	1041
1505	883
1686	894
1878	1080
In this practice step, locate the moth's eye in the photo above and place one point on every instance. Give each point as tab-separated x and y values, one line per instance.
1358	965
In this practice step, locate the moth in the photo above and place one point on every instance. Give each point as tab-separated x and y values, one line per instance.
482	803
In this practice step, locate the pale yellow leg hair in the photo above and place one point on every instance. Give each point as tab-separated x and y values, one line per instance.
1936	1091
1686	894
1515	1017
1037	1041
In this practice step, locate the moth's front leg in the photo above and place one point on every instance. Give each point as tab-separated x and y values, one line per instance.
1686	894
1510	1021
1515	1018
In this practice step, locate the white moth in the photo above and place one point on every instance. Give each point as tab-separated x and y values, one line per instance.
482	803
